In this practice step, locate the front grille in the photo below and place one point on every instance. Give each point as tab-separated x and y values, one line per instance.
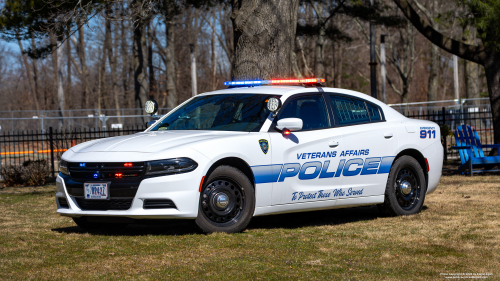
63	203
159	204
104	205
116	171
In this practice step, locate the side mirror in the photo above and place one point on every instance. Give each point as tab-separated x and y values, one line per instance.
151	107
292	124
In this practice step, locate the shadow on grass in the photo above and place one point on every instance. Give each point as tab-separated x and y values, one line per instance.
145	227
315	218
286	221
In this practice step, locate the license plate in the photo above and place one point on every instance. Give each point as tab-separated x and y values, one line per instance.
95	190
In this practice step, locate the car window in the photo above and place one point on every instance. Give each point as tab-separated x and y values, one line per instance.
374	112
349	111
311	109
224	112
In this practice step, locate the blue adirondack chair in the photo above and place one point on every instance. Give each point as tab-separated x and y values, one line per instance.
471	152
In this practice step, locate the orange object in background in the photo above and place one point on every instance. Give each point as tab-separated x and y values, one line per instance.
32	152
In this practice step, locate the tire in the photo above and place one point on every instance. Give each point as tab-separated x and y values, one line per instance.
227	201
93	226
405	189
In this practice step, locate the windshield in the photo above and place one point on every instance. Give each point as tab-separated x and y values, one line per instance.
226	112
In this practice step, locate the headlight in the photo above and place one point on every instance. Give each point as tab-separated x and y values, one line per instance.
170	166
63	167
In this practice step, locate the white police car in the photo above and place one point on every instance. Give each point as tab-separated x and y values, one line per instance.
254	149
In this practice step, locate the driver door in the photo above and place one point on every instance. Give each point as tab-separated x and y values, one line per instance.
309	156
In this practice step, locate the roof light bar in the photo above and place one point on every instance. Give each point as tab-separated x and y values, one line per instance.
246	83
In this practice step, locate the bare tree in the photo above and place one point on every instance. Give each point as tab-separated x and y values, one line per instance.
31	80
140	64
108	45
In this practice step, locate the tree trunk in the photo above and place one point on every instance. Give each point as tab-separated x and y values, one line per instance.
295	66
35	74
492	71
126	69
83	62
319	53
432	87
112	66
470	72
264	34
340	62
405	97
140	66
100	78
58	76
151	75
171	68
214	53
471	81
194	40
69	99
60	88
30	78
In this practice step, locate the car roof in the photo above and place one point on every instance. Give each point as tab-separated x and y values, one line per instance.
265	90
287	91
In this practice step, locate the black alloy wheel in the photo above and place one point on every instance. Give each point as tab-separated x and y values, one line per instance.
405	189
227	201
223	201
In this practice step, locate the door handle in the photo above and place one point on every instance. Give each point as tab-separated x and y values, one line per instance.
333	144
388	135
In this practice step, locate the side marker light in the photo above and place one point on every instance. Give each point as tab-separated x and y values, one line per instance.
427	162
201	183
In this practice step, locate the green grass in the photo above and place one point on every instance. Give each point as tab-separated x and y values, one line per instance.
453	234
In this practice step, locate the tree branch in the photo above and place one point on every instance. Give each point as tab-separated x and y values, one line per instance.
425	12
393	87
465	51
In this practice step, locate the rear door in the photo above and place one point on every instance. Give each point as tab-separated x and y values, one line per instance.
368	145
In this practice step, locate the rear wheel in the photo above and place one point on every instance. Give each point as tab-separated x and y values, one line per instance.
227	201
406	187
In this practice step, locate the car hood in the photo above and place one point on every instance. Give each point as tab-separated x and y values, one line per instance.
149	142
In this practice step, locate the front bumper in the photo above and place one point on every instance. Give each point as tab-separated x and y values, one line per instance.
182	189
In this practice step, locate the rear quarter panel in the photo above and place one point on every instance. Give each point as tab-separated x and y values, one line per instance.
425	137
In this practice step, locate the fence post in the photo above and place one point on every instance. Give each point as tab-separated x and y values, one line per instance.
51	139
443	112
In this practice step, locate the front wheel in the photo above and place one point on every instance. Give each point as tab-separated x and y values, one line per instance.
227	201
406	187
